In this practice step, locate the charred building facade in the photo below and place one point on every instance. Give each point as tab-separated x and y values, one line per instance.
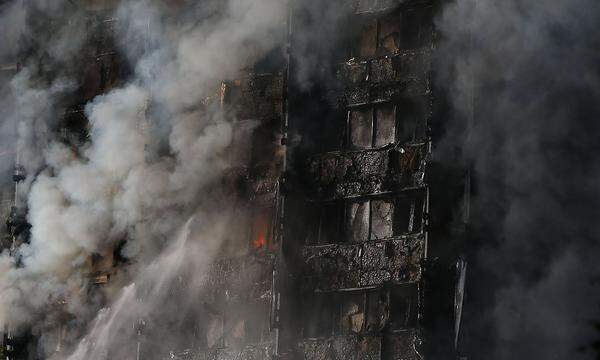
350	249
366	248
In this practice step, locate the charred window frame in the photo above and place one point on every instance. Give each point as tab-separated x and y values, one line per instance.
351	314
411	119
326	221
367	219
408	212
404	307
377	311
417	27
378	125
392	32
361	312
330	135
318	316
331	314
384	217
372	126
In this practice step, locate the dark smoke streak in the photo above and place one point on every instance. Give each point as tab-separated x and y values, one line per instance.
528	73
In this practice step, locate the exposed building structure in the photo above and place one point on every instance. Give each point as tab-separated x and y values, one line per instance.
347	253
361	188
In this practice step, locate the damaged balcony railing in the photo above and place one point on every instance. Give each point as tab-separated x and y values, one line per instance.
355	173
352	266
248	352
375	6
383	79
402	345
362	324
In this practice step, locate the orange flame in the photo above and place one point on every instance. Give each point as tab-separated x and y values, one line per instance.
260	231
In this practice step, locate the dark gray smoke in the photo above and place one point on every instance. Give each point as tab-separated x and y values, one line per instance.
523	80
10	31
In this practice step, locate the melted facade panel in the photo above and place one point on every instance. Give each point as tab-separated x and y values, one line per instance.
363	265
404	74
341	348
345	174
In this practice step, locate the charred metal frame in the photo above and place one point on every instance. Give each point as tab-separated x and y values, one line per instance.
359	254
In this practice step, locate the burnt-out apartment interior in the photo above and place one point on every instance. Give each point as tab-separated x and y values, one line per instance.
353	246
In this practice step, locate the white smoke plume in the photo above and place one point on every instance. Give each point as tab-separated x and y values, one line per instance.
158	149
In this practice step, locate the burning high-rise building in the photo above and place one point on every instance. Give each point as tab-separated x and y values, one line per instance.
292	143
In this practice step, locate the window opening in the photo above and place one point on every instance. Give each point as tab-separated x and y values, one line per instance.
358	218
404	302
382	212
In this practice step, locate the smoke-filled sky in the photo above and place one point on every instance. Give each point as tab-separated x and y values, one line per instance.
523	82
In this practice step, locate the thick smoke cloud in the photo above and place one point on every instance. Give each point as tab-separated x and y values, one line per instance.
159	147
523	81
28	110
13	18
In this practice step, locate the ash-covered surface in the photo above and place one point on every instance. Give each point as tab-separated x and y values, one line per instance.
240	279
375	6
345	174
383	79
256	97
260	351
342	348
335	267
404	345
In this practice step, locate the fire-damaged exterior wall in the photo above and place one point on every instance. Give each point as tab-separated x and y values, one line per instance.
358	198
334	181
241	289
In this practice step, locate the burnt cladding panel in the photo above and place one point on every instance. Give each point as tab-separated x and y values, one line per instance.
364	239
